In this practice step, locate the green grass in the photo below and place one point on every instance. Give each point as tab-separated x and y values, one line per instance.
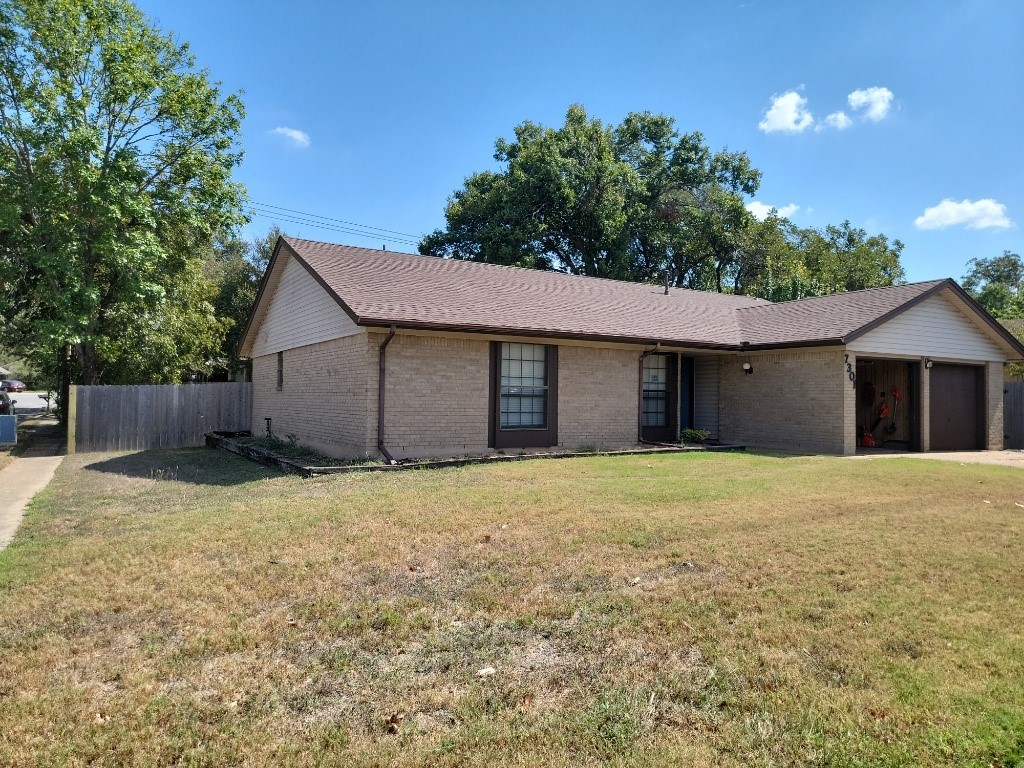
191	608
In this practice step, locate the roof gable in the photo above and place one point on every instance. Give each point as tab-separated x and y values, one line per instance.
941	326
292	310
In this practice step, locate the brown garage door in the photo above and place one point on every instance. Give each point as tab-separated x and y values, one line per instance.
955	409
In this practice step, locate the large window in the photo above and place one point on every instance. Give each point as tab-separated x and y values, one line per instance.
524	388
524	395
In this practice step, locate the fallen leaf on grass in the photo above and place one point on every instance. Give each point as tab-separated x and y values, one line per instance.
486	672
393	721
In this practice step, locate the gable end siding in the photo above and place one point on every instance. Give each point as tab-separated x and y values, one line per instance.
300	312
933	328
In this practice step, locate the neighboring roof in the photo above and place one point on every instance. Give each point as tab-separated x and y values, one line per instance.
384	288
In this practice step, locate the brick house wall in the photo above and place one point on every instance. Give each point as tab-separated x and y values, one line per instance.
435	401
597	397
800	401
325	398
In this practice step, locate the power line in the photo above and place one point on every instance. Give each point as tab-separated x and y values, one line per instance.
331	219
293	219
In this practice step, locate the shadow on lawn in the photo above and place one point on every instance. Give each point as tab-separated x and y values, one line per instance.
201	466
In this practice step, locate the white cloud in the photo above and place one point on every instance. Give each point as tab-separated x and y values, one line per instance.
760	211
977	214
877	101
788	113
837	120
294	135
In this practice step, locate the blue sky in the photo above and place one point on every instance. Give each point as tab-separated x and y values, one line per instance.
905	118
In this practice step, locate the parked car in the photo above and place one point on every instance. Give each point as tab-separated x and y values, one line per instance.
12	385
6	404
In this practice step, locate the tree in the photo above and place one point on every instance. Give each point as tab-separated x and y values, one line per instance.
625	202
639	199
236	268
998	284
116	155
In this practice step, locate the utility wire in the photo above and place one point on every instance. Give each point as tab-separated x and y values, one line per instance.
331	219
292	219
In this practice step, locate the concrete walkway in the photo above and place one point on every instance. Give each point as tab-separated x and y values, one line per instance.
1003	458
24	478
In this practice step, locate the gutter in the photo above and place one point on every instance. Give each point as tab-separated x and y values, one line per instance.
640	394
381	373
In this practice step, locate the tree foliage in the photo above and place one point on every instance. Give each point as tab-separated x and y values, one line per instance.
116	155
638	200
236	268
998	284
624	202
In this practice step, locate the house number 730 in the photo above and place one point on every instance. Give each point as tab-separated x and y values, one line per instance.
850	373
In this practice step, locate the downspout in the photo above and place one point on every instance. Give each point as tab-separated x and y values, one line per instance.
640	394
381	372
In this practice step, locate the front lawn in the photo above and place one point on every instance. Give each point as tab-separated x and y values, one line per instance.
190	608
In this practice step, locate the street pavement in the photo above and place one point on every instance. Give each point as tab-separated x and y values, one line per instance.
30	404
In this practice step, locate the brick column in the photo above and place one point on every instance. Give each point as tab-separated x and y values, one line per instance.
849	408
994	428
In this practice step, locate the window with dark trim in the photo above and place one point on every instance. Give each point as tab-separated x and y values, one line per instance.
280	370
524	395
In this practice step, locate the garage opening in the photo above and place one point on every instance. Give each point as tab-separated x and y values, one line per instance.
887	405
956	404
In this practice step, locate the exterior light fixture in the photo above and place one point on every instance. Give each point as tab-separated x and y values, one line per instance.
748	368
927	362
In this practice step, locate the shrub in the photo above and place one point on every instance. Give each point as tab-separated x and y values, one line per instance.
695	435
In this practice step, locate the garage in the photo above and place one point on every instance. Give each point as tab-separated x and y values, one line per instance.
956	407
887	404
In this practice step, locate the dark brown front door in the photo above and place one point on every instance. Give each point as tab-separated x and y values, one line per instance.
955	421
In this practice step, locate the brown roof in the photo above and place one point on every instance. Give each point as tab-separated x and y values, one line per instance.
383	288
828	318
386	288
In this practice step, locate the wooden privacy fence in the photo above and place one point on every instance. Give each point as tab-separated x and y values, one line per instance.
1013	413
136	418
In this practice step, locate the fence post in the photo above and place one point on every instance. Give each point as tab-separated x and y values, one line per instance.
72	412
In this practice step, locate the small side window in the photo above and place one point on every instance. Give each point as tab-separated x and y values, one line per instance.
280	370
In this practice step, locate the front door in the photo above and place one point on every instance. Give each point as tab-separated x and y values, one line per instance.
660	398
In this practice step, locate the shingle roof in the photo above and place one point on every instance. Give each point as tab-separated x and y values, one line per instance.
382	288
828	318
385	287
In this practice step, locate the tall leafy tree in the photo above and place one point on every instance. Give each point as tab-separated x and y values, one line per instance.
625	202
116	155
998	284
236	268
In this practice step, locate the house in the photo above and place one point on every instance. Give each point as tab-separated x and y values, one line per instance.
358	352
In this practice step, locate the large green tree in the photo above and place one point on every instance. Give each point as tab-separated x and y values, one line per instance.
236	267
639	199
998	284
116	154
626	202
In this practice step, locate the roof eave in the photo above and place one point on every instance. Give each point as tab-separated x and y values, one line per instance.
490	330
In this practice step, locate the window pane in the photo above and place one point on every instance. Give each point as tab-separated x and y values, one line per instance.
523	386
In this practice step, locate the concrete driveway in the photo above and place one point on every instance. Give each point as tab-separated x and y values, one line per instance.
1014	458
